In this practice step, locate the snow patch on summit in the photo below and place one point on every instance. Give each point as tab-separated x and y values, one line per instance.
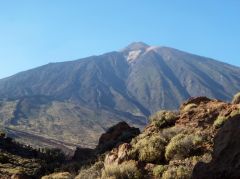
154	48
133	55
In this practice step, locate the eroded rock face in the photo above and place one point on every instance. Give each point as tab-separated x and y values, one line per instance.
120	133
226	154
118	155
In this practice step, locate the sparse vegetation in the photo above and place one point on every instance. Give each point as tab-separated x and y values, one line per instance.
151	148
126	170
220	121
235	112
169	133
163	119
158	170
182	146
61	175
177	173
92	172
19	159
236	99
189	107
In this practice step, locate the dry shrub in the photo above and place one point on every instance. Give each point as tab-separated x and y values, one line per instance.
93	172
220	121
189	107
170	132
163	119
182	146
236	99
158	170
126	170
151	148
177	173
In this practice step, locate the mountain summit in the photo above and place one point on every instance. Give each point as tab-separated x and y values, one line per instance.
136	46
58	100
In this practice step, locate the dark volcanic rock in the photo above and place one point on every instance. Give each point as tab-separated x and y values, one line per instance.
226	154
120	133
83	154
196	100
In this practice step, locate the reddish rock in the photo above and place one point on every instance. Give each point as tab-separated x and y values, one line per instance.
196	100
118	155
120	133
204	114
226	154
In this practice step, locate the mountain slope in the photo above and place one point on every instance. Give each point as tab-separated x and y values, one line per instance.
69	123
98	80
83	97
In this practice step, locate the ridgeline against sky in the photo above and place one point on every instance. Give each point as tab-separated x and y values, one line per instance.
34	33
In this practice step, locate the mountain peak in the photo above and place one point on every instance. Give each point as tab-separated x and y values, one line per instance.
136	46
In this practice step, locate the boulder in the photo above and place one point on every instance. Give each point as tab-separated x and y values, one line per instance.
118	155
118	134
83	154
226	154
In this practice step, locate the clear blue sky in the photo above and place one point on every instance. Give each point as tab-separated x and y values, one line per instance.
36	32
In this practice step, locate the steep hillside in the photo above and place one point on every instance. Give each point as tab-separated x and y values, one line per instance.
76	101
139	79
49	123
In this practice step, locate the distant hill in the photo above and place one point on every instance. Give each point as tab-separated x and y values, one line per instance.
76	101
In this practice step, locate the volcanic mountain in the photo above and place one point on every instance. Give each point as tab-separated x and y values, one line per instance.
75	101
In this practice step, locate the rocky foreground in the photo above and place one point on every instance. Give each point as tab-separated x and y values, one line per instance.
201	140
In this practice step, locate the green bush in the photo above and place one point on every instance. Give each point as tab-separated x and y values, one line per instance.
182	146
163	119
158	170
236	99
126	170
220	121
177	173
151	148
